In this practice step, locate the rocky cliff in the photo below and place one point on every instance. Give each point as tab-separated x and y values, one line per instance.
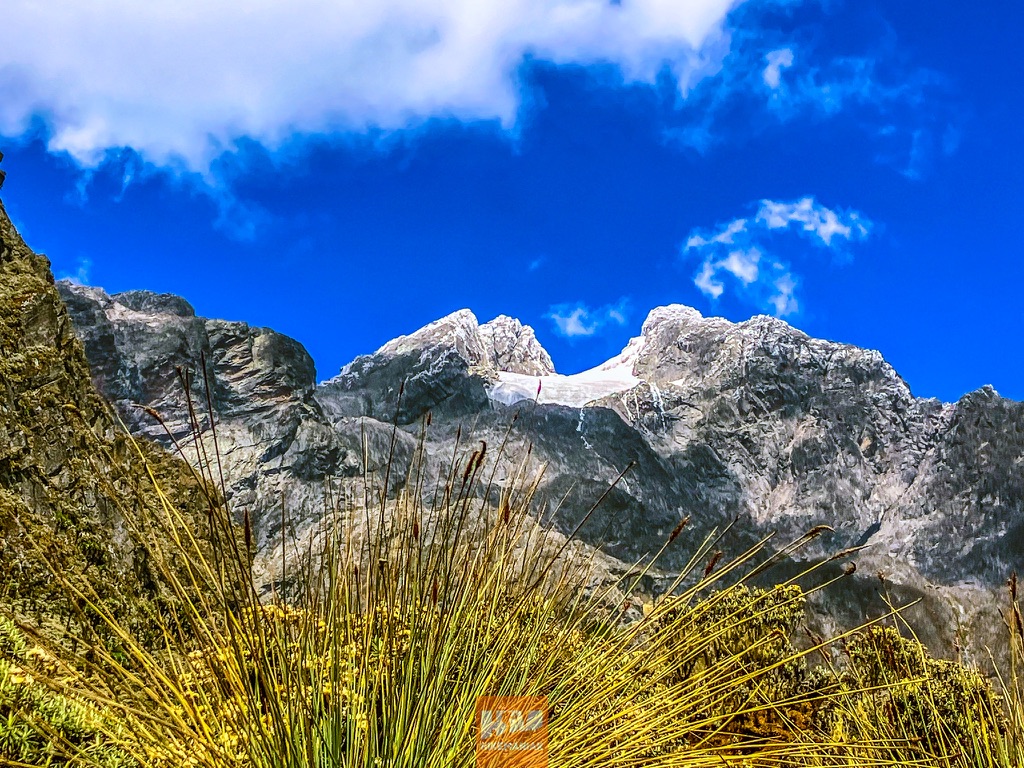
753	424
69	481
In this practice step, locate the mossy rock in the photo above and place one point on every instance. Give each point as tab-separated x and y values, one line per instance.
73	488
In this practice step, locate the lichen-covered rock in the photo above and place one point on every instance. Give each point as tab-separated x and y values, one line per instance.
68	478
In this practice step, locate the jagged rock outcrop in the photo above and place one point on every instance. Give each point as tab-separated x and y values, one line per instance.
513	347
69	482
443	367
275	444
503	344
822	433
752	424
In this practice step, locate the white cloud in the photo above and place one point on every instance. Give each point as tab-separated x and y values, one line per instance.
742	265
81	275
738	253
814	219
575	320
616	314
180	82
783	299
726	236
776	62
575	323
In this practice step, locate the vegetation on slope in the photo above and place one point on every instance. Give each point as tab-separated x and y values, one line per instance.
67	477
407	611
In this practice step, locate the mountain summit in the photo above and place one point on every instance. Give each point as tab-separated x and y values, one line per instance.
752	425
503	344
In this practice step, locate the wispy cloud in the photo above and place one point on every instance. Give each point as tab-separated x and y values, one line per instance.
908	111
180	85
813	219
836	84
81	274
575	320
739	253
776	61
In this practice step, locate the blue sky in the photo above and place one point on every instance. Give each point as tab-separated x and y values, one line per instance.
345	174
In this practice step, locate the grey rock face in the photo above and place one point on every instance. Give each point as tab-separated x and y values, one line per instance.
458	331
752	424
503	344
275	444
441	367
823	433
511	346
141	344
148	302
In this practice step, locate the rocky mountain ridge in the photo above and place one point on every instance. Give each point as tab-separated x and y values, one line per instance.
753	424
503	344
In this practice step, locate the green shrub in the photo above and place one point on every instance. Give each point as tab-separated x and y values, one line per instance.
39	726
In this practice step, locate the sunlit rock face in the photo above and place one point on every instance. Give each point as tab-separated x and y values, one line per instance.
257	389
752	425
69	480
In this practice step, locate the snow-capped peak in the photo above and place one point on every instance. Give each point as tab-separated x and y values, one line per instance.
511	346
503	344
674	314
460	330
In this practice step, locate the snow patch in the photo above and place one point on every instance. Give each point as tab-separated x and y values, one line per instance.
576	390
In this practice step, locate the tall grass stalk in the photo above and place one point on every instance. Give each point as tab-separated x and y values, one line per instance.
403	609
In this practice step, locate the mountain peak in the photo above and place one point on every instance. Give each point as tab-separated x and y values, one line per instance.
674	314
513	347
459	330
148	302
504	343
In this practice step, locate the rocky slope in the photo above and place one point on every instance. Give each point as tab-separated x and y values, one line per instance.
68	480
751	422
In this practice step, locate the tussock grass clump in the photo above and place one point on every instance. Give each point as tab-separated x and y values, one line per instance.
377	643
